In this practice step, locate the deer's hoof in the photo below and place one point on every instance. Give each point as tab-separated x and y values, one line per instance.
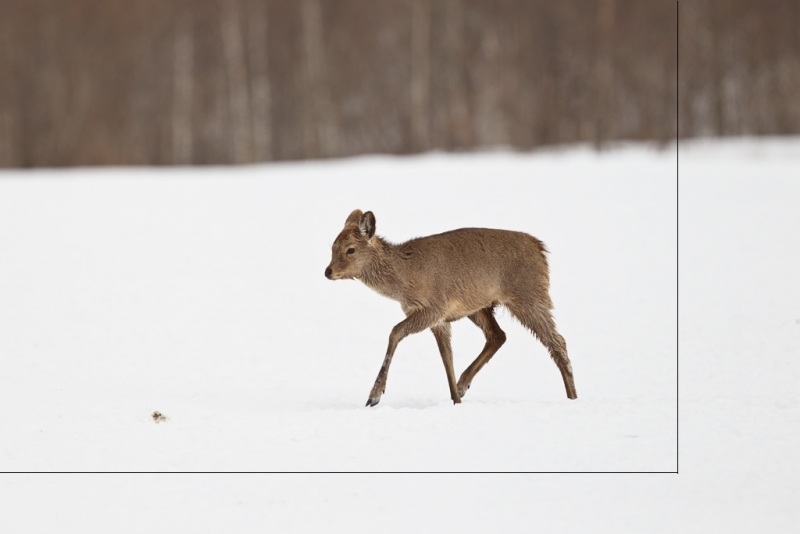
372	401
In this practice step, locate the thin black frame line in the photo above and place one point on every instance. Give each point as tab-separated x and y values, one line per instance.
677	240
339	472
677	346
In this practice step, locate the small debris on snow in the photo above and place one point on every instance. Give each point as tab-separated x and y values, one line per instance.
158	417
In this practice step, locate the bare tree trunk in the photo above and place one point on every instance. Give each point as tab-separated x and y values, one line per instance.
420	74
7	149
259	80
688	75
71	133
457	106
319	128
9	107
311	148
182	97
668	129
233	45
494	82
719	17
605	72
524	88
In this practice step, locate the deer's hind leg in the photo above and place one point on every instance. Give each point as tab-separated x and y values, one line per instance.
495	338
539	320
442	334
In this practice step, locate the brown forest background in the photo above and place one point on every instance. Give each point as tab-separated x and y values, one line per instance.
86	82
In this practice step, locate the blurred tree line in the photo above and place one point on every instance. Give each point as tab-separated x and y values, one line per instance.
739	67
86	82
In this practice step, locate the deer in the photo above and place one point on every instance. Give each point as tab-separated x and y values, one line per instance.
445	277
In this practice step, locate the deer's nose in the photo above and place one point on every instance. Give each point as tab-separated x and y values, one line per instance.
328	273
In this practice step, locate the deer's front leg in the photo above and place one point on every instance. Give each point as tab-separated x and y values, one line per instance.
416	321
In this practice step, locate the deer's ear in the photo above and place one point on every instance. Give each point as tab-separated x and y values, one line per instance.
367	225
353	218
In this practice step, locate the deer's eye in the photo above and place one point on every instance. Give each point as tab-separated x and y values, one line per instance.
351	250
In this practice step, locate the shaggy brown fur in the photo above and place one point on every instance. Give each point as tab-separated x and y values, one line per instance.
445	277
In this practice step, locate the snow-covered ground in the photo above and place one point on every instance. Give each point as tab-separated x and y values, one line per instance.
199	293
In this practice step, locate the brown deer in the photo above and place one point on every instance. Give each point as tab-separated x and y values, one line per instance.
445	277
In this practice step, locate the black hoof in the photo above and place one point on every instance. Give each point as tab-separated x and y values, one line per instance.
372	401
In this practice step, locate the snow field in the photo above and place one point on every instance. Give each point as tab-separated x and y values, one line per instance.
199	293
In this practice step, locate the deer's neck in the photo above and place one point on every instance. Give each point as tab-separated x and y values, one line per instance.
381	273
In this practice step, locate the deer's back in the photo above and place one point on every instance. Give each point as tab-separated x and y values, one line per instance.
467	269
